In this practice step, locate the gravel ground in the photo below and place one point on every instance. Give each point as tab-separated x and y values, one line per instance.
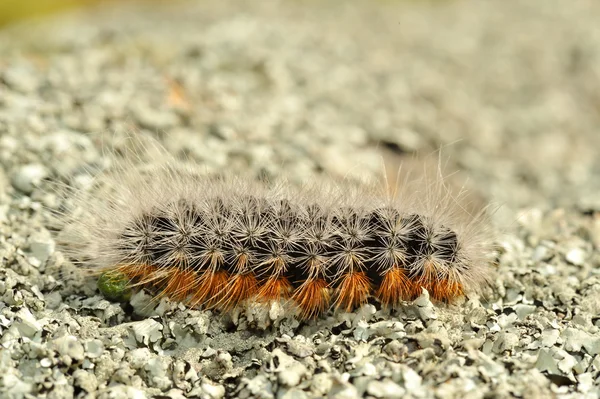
510	90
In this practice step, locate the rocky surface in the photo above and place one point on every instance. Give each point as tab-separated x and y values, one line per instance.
509	90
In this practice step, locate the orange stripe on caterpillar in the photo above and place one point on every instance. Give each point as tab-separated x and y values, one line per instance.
395	287
354	290
274	289
312	298
179	284
445	290
210	289
139	274
238	289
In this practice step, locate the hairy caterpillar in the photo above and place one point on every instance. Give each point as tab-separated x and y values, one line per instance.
219	241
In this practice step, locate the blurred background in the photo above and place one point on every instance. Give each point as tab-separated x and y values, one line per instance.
12	11
508	90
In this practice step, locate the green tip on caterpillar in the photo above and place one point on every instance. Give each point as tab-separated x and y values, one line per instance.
114	286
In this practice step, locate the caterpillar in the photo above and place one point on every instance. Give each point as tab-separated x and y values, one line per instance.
215	241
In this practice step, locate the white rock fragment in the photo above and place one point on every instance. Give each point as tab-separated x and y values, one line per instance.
506	321
27	177
69	346
139	357
300	347
425	309
143	303
156	370
576	256
14	387
27	325
575	339
94	348
214	391
566	361
385	389
321	383
22	78
123	392
523	311
342	389
412	381
506	342
146	331
45	362
550	337
292	393
85	380
545	362
41	246
489	367
224	360
260	387
289	371
585	382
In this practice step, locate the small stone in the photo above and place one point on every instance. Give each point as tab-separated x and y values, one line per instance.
94	348
290	371
292	393
85	380
545	362
157	373
576	339
146	331
41	246
69	346
425	309
321	383
27	326
209	352
124	392
214	391
260	387
412	380
385	389
549	337
21	78
566	362
575	256
342	389
224	360
28	177
300	347
139	357
14	387
523	311
506	342
585	382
